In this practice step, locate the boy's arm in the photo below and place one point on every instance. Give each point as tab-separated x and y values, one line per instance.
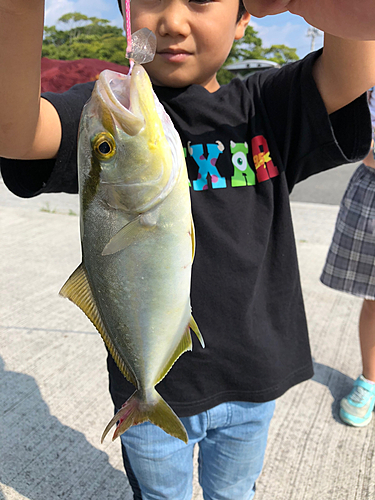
29	126
347	67
353	19
345	70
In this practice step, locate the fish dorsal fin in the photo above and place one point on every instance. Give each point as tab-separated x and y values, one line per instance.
136	229
193	325
184	345
78	290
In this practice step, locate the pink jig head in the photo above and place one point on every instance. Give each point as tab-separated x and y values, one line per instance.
141	45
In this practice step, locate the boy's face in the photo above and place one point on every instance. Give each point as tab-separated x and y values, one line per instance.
194	38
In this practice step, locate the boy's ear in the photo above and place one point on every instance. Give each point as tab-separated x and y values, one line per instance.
242	25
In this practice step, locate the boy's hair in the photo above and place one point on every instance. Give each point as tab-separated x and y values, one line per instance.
241	9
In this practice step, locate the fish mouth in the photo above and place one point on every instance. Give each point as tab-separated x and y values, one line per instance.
119	93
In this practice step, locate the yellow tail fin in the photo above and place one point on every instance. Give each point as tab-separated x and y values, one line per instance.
135	411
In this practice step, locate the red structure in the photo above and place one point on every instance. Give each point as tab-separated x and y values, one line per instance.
58	76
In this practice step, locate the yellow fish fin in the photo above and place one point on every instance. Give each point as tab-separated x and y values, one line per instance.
184	345
78	290
192	233
136	410
193	325
136	229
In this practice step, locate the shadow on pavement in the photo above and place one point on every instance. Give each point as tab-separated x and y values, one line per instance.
338	383
42	459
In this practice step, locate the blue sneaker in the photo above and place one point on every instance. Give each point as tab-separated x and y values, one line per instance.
356	408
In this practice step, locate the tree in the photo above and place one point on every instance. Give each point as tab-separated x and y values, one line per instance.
91	37
85	37
250	47
74	21
282	54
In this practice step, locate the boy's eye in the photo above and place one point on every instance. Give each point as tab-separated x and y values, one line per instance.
200	1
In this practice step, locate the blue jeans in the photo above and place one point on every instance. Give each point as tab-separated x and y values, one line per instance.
232	440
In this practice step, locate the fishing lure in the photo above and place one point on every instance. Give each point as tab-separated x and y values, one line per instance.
141	45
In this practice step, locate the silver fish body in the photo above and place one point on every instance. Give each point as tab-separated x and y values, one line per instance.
137	240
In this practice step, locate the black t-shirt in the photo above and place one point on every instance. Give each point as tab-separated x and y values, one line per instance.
246	145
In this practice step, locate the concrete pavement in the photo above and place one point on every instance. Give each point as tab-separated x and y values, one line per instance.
325	187
54	398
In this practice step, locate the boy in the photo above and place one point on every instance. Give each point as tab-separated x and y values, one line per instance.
246	144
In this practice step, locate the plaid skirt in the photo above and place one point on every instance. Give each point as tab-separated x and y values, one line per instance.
350	263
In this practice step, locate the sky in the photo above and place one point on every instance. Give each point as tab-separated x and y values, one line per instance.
284	28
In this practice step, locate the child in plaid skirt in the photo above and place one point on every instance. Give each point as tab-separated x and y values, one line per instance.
350	267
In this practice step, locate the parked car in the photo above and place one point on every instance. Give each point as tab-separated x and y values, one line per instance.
243	69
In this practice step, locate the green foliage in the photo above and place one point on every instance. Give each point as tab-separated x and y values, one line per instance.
224	76
90	37
281	54
84	37
250	47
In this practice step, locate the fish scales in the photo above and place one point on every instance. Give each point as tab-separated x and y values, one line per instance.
137	240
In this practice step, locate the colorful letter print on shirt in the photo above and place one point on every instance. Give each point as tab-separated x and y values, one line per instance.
209	159
207	165
243	174
265	168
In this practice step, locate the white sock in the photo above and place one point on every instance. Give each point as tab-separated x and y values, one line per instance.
367	380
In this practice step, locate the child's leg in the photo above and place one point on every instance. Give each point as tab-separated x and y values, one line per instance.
232	453
232	439
137	495
160	466
357	407
367	338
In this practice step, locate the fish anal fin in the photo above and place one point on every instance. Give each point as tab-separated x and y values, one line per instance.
193	325
192	234
136	410
77	289
184	345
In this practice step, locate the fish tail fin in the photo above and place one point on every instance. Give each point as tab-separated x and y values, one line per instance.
135	411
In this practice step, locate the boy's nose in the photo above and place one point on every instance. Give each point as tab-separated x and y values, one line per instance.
174	20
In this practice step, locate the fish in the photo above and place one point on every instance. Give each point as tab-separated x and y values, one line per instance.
137	241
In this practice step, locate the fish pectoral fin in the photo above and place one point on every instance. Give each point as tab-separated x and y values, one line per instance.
124	237
135	230
184	345
135	411
77	289
193	326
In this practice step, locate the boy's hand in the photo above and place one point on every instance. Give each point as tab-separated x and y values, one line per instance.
30	127
261	8
353	19
347	67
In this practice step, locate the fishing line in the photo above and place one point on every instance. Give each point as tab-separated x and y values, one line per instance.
141	45
129	52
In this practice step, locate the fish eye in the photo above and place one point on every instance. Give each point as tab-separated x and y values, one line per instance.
104	145
104	148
